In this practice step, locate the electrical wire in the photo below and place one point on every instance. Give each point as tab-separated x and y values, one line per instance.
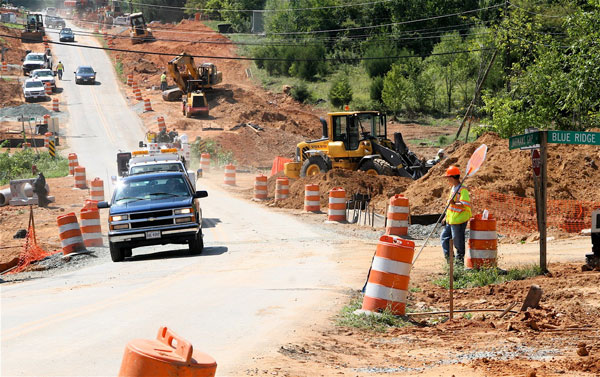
533	13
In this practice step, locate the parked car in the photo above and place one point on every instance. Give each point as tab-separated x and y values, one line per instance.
36	60
121	20
66	35
51	11
55	22
45	75
33	89
85	74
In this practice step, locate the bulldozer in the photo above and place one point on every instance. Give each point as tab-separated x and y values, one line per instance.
139	32
192	83
33	30
356	140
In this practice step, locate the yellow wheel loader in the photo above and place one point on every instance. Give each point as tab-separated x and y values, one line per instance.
356	140
138	31
33	30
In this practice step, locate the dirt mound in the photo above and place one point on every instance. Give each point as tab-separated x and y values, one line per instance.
10	93
570	170
15	49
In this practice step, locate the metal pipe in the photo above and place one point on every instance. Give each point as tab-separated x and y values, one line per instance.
5	197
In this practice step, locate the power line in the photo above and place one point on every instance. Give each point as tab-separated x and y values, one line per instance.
533	13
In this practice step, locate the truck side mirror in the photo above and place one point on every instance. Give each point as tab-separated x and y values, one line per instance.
103	205
200	194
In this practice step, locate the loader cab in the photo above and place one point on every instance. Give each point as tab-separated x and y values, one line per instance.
353	127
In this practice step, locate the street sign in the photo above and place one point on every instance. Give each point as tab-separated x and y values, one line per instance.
574	137
525	140
536	162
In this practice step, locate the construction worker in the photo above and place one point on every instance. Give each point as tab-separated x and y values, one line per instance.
163	81
59	69
457	216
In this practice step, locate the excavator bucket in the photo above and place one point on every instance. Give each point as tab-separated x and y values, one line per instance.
172	95
32	36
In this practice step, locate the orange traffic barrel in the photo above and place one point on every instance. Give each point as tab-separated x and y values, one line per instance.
97	190
397	216
205	162
138	94
48	88
134	85
47	119
130	79
260	187
161	124
4	66
337	205
147	105
387	286
168	355
90	226
282	188
229	178
69	233
483	243
25	145
80	177
55	104
73	162
312	198
47	137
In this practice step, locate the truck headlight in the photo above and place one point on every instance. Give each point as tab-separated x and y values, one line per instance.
78	77
184	211
119	218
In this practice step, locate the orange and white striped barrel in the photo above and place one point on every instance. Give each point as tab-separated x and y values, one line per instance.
130	79
97	189
387	286
48	88
46	118
397	216
260	187
337	204
55	104
229	178
4	67
25	145
312	198
483	243
47	136
147	104
91	229
134	86
80	177
205	162
138	94
161	124
73	162
70	236
282	188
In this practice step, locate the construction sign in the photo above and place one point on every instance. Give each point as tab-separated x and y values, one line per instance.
52	148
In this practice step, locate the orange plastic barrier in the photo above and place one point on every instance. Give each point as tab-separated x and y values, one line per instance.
147	105
48	88
25	145
260	187
73	162
483	243
161	124
130	79
138	94
397	216
55	105
229	175
337	205
278	164
387	286
282	188
4	67
31	252
97	190
47	136
91	229
168	355
134	85
80	177
47	118
312	198
70	236
205	162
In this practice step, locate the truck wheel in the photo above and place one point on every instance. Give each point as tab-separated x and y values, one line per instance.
117	254
196	244
376	166
315	165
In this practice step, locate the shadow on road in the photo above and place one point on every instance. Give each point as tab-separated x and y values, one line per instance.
209	223
97	83
59	90
180	253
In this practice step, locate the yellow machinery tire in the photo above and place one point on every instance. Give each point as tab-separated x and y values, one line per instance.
376	166
314	165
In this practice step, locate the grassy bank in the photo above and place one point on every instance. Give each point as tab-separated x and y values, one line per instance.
17	164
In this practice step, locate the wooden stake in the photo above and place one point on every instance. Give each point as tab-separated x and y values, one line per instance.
451	286
533	298
543	197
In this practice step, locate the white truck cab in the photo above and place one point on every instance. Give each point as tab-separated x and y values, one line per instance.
154	161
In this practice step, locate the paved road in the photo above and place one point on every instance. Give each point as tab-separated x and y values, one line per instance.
263	274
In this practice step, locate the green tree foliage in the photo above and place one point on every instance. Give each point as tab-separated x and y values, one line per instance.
408	86
376	88
340	93
300	93
376	53
237	12
292	60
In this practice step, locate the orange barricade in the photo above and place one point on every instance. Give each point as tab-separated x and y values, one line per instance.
55	104
138	94
312	198
397	216
229	175
97	190
47	119
80	177
282	188
205	162
168	355
278	163
483	243
161	124
134	85
130	79
48	88
69	234
4	67
387	286
26	145
147	105
260	188
73	162
337	205
47	136
90	226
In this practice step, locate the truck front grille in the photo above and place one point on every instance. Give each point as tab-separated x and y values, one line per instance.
145	215
149	224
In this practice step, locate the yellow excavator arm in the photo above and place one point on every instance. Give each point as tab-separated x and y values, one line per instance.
190	71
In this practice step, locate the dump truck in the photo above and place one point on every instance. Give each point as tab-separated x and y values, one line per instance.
356	140
33	30
139	32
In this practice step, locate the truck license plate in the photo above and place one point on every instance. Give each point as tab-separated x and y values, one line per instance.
153	234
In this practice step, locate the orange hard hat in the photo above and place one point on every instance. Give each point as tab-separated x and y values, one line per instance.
452	170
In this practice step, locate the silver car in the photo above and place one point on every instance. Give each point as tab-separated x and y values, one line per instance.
33	89
45	75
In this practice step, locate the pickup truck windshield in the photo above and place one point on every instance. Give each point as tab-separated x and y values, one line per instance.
154	168
43	73
34	84
151	188
35	57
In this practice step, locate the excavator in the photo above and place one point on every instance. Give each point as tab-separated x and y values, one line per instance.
356	140
192	82
139	32
33	30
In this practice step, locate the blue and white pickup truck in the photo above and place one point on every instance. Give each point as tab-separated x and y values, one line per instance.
154	209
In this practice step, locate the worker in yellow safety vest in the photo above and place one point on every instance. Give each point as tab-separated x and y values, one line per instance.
457	216
163	81
60	69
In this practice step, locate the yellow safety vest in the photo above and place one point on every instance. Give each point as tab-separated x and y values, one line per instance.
456	215
60	67
163	78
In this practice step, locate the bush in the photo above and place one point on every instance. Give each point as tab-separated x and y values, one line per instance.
376	88
217	153
300	93
18	165
379	66
340	93
296	61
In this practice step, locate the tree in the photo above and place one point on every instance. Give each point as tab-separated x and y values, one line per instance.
394	89
340	93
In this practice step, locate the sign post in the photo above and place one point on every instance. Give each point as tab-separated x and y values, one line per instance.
543	184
